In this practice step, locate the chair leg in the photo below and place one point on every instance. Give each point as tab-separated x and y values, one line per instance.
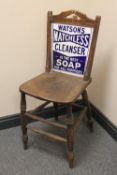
89	113
24	121
70	136
56	111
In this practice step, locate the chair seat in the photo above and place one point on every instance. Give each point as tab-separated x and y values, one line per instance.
55	86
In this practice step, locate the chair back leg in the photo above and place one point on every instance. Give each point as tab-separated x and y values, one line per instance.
89	112
56	111
24	121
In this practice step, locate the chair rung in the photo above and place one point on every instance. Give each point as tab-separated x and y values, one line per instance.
48	135
78	105
52	123
40	107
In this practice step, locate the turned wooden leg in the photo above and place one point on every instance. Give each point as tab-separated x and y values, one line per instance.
70	136
56	111
89	113
24	121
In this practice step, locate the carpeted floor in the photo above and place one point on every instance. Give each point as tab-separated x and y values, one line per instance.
96	154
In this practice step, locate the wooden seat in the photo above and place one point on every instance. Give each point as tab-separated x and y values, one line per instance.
55	87
71	42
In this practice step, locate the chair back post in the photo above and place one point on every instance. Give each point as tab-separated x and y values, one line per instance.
87	73
48	56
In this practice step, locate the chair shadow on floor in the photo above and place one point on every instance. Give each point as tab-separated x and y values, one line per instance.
83	144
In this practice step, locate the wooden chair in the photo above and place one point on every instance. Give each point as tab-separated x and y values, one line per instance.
71	42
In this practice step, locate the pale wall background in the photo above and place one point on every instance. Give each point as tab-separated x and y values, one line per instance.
23	49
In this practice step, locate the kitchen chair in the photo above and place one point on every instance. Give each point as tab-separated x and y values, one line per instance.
71	42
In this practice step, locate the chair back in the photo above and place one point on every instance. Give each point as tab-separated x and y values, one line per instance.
71	42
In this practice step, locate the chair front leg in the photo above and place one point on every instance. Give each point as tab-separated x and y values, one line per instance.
70	136
24	121
89	113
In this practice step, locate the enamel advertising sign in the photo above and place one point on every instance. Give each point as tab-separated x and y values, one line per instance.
70	48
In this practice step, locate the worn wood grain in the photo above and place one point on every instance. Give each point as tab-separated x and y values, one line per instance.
56	87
